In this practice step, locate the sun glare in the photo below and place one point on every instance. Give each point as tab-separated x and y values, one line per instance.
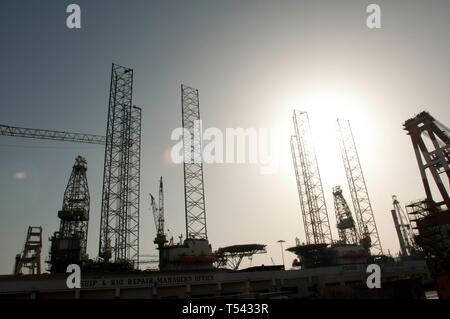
324	105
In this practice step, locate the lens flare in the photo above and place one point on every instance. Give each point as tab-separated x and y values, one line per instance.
20	175
167	157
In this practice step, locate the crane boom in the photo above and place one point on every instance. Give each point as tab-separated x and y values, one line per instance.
7	130
158	212
155	211
161	208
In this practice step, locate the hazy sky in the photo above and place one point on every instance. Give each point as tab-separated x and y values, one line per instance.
253	63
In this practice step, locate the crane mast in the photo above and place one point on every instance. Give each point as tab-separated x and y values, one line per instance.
161	207
158	215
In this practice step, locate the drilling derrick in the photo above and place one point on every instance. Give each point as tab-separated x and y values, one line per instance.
311	192
69	244
403	228
119	225
193	166
345	223
31	255
358	190
430	218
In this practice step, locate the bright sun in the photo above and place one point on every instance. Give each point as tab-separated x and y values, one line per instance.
324	104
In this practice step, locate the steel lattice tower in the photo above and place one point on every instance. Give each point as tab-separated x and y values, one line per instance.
74	214
69	243
358	190
31	255
307	221
7	130
314	206
119	225
193	167
345	223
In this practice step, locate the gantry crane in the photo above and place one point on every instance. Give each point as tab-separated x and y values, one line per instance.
431	143
430	218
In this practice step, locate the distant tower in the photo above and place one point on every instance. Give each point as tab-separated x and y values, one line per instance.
312	200
31	255
69	244
193	166
358	190
119	224
345	223
403	228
